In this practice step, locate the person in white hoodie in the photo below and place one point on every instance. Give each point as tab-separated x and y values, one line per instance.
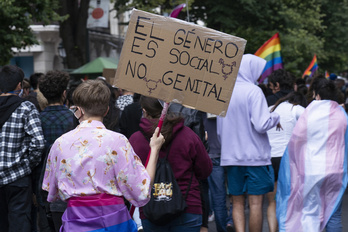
245	148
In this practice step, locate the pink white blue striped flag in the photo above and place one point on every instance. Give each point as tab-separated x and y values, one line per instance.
313	171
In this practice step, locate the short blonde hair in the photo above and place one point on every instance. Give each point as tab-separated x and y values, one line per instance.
93	96
26	84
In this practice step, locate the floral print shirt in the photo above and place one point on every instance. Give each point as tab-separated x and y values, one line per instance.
91	160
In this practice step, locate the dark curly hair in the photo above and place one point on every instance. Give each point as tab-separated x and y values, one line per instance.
285	79
326	89
53	85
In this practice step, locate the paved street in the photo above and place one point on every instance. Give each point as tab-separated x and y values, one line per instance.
212	227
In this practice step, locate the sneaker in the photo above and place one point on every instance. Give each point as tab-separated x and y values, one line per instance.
211	217
140	229
230	228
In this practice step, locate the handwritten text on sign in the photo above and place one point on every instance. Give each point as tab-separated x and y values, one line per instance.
174	60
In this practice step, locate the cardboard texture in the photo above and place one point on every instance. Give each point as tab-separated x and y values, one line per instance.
109	74
173	60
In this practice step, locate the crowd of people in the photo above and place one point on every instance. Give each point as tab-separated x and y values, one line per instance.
75	157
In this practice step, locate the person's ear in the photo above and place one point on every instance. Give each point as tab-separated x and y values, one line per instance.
19	86
277	86
63	98
144	113
107	111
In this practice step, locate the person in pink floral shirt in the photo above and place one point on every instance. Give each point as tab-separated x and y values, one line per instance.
92	168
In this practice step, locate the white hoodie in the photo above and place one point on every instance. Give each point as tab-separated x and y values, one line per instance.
242	131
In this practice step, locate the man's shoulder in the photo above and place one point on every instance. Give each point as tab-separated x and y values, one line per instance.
61	115
271	100
27	106
56	110
271	97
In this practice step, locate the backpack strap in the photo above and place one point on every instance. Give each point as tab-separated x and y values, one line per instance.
189	185
188	188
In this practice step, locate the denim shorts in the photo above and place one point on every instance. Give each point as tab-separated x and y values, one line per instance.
253	180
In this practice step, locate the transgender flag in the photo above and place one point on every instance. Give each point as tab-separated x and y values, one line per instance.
313	171
270	51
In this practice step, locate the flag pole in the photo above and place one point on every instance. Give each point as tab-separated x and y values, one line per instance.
187	10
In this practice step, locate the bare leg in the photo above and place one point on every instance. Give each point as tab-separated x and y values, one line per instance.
271	210
255	219
238	213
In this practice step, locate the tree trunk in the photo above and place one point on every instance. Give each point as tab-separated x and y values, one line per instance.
73	31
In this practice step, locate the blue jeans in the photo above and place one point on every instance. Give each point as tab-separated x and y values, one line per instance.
187	222
217	188
335	223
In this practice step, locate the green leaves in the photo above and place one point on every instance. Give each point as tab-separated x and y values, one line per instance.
305	27
15	18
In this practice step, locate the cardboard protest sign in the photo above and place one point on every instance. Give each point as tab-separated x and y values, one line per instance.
173	60
109	74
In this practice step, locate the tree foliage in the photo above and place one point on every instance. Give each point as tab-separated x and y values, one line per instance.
336	38
305	27
15	18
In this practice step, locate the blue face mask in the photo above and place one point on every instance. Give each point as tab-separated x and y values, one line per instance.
21	93
17	92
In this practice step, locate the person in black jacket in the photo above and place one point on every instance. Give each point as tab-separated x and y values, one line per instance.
130	118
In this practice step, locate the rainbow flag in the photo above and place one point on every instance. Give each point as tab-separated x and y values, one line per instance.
312	176
312	68
270	51
327	75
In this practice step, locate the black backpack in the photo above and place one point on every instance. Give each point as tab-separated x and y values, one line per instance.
167	201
